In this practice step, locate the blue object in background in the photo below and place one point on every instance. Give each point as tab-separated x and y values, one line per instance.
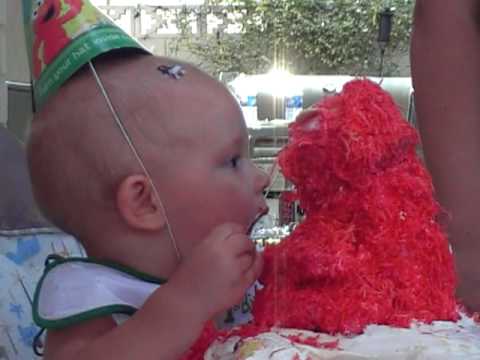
249	108
251	101
293	106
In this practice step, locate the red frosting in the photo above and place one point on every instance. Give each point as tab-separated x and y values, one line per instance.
370	250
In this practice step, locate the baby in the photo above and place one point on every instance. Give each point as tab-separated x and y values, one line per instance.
192	138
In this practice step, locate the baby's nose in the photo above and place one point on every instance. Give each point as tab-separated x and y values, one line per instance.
263	179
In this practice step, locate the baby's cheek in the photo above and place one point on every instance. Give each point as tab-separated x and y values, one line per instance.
237	203
246	207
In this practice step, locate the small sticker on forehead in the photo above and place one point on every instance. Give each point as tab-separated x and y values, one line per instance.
174	71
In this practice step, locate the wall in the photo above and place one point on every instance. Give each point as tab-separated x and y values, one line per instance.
18	100
3	61
17	62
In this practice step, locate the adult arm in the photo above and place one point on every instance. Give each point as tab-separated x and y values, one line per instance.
445	59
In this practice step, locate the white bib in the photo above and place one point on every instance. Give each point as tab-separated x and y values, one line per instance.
72	290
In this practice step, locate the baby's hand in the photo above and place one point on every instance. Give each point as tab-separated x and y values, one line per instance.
218	271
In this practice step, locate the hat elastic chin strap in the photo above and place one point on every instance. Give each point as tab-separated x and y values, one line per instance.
137	156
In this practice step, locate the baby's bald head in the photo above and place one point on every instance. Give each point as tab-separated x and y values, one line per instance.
77	155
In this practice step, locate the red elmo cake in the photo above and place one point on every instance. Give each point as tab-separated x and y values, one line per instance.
370	250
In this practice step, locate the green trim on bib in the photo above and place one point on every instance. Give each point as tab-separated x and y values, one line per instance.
53	261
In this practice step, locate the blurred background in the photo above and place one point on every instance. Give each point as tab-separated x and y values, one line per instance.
277	56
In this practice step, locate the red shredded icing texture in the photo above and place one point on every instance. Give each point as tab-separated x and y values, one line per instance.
370	249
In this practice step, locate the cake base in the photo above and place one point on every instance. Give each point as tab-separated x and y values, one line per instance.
439	340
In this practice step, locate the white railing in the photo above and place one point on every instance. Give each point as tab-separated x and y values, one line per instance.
153	22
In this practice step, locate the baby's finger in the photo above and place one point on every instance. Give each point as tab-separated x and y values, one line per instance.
257	265
254	271
245	261
221	233
240	243
227	229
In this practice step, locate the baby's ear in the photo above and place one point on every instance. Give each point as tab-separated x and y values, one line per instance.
137	204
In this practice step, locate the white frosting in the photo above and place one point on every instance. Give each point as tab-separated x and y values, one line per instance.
439	341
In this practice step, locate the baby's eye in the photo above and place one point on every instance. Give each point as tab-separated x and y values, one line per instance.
233	162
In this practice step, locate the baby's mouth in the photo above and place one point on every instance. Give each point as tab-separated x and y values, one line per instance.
262	212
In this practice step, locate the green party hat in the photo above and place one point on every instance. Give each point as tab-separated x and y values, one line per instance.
64	35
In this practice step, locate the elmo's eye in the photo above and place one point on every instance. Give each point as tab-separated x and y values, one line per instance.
35	11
